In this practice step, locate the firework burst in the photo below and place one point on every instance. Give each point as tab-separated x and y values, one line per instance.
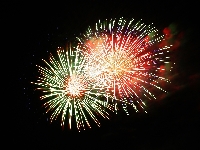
116	62
68	91
126	59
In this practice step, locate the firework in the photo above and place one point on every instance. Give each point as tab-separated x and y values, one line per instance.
127	59
68	92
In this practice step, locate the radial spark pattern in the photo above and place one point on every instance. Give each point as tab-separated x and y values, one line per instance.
68	91
129	60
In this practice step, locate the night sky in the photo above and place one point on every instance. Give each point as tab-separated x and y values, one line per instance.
36	29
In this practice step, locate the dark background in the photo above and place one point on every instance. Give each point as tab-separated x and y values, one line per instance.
35	29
